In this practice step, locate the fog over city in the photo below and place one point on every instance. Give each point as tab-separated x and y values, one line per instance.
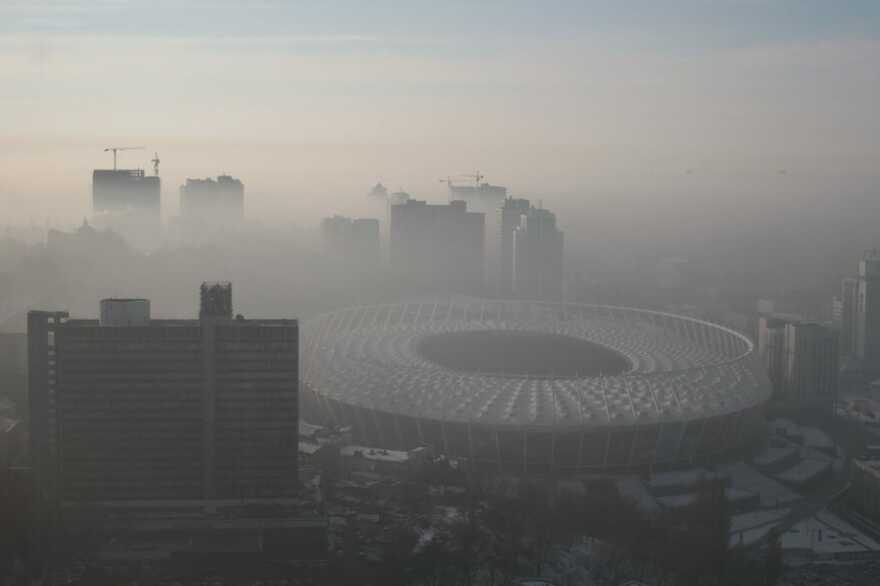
473	292
743	129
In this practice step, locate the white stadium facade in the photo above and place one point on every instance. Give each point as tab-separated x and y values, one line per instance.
530	387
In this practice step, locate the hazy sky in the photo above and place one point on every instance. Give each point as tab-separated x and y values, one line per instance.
306	100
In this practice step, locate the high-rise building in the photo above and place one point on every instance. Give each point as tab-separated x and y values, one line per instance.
356	240
438	248
223	197
849	298
510	216
220	199
486	199
537	257
129	408
771	347
867	347
811	361
129	203
125	190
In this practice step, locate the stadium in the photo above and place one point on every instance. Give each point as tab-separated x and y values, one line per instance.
530	387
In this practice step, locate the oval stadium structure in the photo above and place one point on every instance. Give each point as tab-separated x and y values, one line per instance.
532	387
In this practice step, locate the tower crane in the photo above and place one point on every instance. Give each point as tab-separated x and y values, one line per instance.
476	176
115	149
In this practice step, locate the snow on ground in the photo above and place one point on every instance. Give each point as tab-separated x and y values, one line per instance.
827	534
745	477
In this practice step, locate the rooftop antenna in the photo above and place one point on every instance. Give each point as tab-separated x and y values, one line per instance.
115	149
155	162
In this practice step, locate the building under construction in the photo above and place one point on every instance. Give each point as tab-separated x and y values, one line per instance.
121	190
479	191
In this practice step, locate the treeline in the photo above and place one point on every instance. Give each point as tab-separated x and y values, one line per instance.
496	538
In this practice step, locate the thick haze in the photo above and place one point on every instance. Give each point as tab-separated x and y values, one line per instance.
690	128
312	100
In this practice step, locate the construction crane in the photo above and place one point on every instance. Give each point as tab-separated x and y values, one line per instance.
155	162
115	149
476	176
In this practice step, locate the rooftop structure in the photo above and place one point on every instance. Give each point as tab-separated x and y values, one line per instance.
687	388
379	191
125	312
215	299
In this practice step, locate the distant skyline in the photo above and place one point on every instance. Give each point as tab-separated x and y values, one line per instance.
313	98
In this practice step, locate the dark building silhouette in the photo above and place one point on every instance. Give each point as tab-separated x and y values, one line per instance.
868	313
129	408
537	257
356	239
811	361
802	359
439	248
215	300
771	345
220	199
849	298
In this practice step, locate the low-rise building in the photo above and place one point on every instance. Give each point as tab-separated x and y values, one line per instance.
376	460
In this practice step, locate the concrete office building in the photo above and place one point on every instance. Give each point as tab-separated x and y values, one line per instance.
127	408
438	248
537	257
811	359
867	346
220	199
